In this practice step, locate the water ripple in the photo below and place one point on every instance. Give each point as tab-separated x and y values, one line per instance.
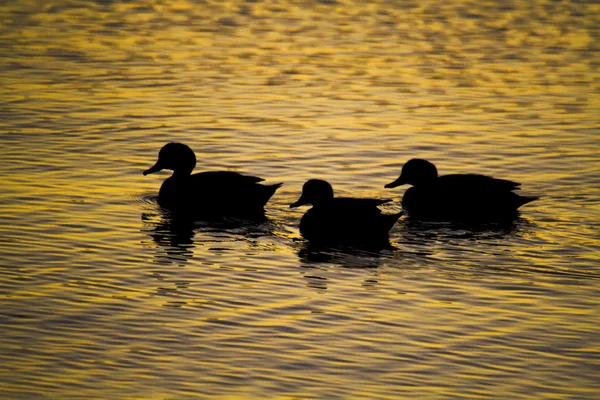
106	295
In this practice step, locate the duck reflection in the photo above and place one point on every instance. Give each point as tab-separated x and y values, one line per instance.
423	240
315	258
319	283
315	281
174	233
425	232
355	256
171	234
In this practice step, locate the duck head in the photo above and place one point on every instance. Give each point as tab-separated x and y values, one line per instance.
415	172
174	156
315	192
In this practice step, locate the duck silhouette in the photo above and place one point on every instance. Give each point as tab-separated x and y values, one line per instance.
342	219
457	197
207	194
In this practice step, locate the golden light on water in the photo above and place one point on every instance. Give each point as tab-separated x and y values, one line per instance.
103	296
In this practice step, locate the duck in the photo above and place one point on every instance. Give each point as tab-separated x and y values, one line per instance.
211	193
342	219
457	197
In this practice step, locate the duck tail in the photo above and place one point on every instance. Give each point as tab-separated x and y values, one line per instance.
273	188
526	199
268	191
393	218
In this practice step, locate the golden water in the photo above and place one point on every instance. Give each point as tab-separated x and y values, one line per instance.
101	297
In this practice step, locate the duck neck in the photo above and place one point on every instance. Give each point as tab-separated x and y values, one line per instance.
181	173
323	203
425	181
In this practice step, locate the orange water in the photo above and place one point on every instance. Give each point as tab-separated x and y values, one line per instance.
101	297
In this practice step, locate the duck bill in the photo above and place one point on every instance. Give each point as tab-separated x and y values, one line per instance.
398	182
301	201
155	168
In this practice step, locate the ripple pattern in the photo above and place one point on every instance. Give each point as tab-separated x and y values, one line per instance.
104	295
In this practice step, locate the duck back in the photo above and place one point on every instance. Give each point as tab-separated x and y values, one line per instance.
476	183
216	193
348	220
465	197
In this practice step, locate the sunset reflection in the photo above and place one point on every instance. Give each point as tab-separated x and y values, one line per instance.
104	295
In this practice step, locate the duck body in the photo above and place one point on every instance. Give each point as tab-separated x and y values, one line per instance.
457	197
342	219
216	192
206	194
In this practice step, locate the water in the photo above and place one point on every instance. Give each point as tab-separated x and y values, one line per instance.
102	296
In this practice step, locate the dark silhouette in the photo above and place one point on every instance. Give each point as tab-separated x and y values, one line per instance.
342	219
470	198
207	194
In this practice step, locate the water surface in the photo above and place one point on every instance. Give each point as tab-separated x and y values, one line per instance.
104	296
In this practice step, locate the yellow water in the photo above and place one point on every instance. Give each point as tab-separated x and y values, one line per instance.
101	297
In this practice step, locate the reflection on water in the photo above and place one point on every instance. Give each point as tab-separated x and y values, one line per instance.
95	303
348	256
174	233
423	231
